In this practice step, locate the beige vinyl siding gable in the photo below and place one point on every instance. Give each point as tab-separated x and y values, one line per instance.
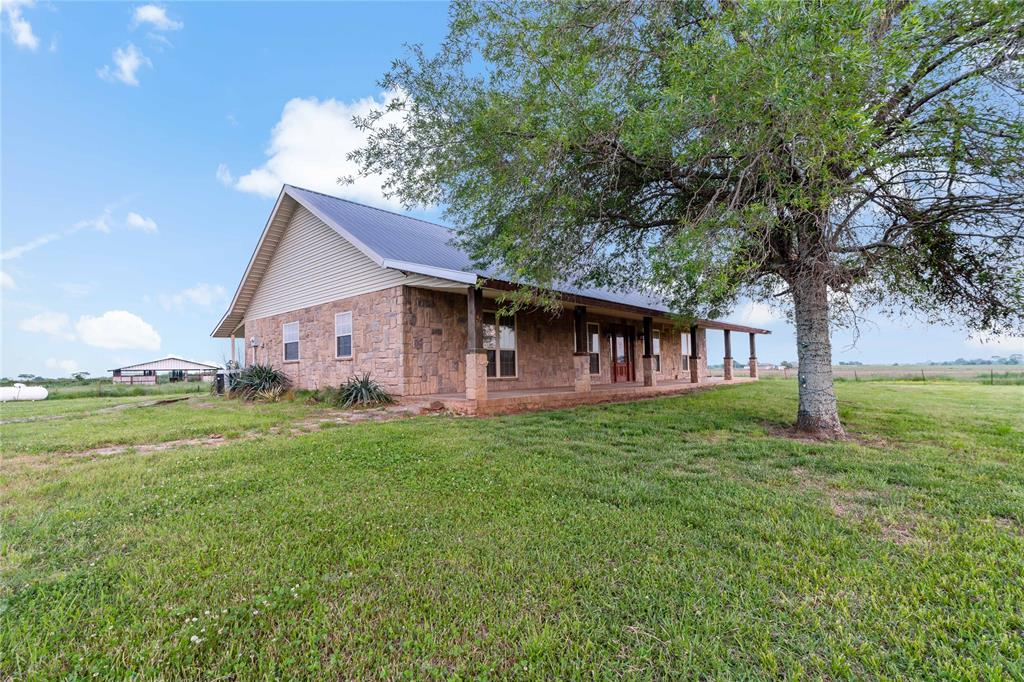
313	264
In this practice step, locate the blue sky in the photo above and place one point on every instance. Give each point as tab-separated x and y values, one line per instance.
142	146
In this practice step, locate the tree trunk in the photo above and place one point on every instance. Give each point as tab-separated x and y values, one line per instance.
817	413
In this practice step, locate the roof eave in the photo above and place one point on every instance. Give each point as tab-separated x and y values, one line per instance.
219	331
430	271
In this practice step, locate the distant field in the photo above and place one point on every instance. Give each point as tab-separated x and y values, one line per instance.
997	374
678	538
107	389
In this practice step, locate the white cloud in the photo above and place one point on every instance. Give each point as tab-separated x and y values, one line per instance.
224	176
18	26
100	223
77	289
758	313
155	16
203	295
998	345
104	223
66	366
117	329
309	147
53	324
127	60
19	251
7	282
137	221
161	41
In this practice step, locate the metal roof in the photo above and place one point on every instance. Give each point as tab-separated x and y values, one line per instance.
402	240
168	364
393	240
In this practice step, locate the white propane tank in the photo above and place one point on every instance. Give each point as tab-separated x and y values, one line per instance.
22	392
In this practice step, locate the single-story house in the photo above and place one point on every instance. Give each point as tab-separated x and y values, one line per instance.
335	288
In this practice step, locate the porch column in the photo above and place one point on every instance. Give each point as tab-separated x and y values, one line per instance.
648	359
581	356
476	355
727	374
233	350
694	357
753	357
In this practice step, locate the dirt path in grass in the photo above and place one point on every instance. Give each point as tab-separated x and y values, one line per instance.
296	428
103	410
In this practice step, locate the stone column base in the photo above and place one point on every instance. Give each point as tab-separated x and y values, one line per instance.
649	378
476	375
581	371
753	367
694	369
727	373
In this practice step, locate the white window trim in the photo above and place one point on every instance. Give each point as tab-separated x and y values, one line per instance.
351	335
596	350
656	334
298	342
684	342
498	348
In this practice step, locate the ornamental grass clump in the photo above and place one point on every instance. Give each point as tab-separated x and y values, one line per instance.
261	382
361	391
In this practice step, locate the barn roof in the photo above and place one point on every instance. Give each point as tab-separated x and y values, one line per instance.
400	242
168	364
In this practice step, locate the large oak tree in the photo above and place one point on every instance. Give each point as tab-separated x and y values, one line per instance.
832	155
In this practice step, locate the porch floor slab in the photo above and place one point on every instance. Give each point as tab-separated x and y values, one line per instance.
524	400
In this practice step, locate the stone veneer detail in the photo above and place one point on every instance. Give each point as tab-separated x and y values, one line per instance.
376	341
434	341
413	341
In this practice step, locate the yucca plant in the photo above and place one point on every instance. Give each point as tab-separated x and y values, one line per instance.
261	382
362	390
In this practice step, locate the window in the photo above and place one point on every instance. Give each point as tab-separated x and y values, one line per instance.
594	347
500	343
290	332
343	335
684	343
656	347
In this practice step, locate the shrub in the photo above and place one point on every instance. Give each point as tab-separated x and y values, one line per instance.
361	391
261	382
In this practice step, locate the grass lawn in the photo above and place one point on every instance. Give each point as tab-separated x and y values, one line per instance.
666	538
88	423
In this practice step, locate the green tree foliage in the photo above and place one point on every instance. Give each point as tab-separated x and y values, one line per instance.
832	154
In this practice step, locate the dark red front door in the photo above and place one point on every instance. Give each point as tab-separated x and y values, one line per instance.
623	340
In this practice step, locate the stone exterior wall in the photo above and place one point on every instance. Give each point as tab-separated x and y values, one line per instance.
413	341
545	345
376	341
434	342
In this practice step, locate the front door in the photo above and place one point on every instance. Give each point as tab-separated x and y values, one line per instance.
623	341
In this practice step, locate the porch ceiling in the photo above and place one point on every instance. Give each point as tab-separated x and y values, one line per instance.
629	312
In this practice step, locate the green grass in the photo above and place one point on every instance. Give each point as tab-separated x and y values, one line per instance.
90	423
100	389
666	538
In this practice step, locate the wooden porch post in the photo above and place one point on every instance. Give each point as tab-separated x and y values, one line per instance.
694	357
727	374
581	355
476	355
232	350
753	356
648	359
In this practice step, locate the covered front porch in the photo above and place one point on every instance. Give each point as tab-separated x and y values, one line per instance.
589	352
